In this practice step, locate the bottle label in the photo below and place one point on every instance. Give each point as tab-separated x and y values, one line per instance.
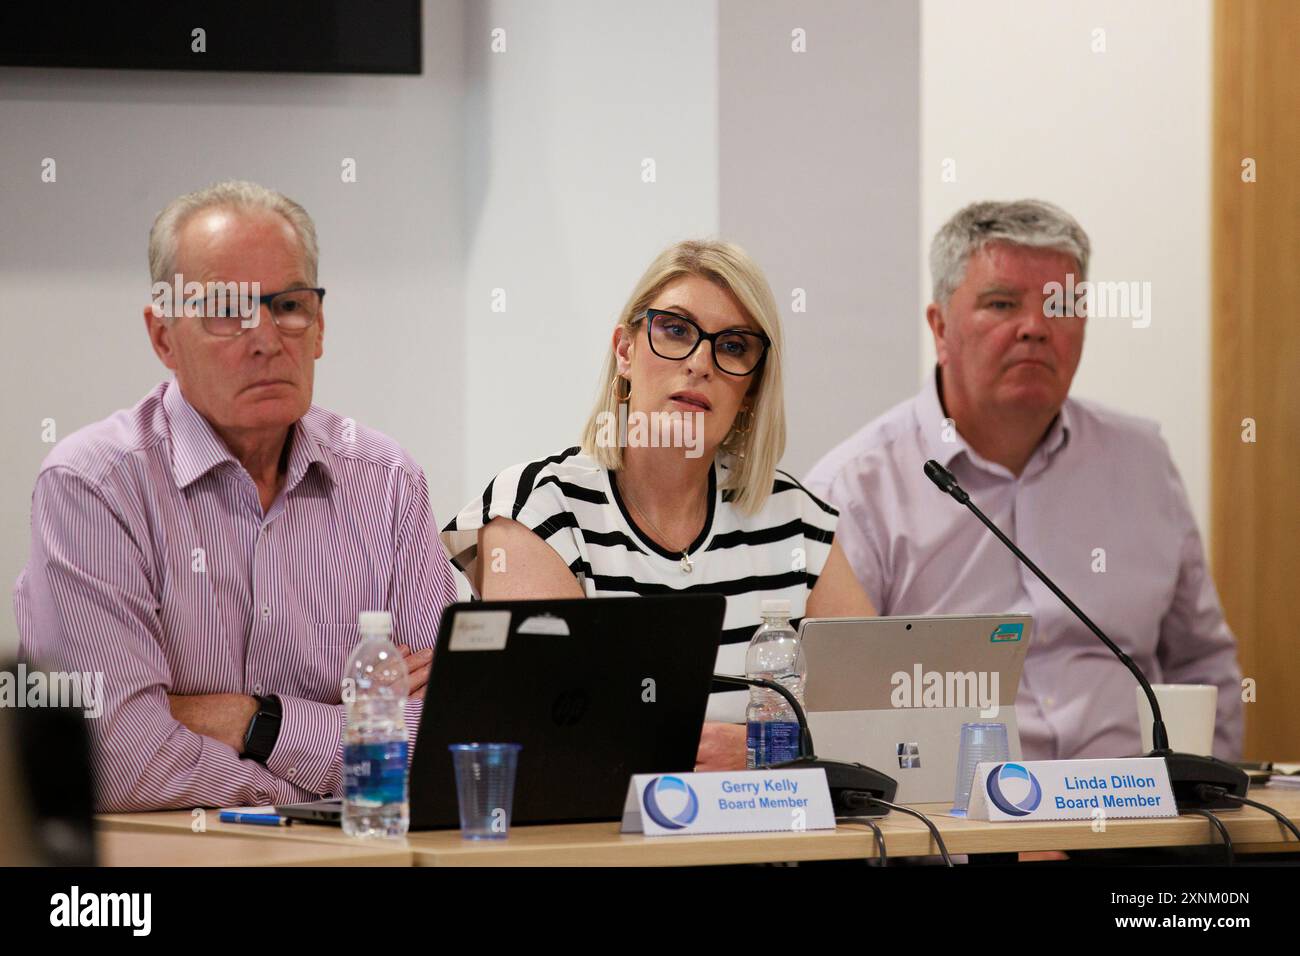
771	742
375	773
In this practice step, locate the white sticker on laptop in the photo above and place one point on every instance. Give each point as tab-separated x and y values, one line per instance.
544	624
480	631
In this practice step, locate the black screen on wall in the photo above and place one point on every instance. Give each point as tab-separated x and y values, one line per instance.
294	36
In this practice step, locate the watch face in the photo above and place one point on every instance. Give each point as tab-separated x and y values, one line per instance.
262	732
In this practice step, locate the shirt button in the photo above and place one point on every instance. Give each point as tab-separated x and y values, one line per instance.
257	688
291	772
266	610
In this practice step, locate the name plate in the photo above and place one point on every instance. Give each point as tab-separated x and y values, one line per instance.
742	801
1125	788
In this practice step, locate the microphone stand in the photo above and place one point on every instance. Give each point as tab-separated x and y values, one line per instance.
1196	779
847	781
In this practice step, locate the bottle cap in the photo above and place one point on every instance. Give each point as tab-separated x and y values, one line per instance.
775	607
375	622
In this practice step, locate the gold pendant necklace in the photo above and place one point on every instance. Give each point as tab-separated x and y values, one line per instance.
687	564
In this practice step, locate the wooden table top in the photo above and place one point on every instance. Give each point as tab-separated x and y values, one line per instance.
601	844
182	848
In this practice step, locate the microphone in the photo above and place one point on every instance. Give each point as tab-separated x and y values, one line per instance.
942	477
851	784
1198	782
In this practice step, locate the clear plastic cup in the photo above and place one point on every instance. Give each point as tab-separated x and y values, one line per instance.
979	743
485	788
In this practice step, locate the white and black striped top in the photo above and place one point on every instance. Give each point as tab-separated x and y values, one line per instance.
569	501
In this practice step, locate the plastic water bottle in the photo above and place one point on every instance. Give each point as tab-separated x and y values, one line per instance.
375	801
775	653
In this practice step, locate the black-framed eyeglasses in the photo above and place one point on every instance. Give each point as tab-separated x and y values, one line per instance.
675	337
293	311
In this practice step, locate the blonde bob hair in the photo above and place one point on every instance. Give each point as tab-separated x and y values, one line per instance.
752	456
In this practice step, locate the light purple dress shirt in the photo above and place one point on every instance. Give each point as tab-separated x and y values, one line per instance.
1100	486
153	563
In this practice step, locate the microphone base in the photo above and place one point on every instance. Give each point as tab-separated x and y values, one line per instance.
843	778
1189	771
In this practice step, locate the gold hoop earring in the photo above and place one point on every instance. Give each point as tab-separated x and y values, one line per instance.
613	388
734	444
749	422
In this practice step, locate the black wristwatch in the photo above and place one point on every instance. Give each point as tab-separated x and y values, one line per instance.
263	729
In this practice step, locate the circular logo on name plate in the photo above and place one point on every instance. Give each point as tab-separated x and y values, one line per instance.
1014	789
671	802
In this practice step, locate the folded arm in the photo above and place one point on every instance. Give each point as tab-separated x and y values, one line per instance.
88	605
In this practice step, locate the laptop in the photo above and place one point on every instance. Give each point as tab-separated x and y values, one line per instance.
594	690
893	692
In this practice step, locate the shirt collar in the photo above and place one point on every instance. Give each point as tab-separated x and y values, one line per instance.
939	434
197	448
309	448
1058	433
935	427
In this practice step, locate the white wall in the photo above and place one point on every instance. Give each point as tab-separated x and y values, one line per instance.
1013	92
73	270
522	170
819	154
557	214
518	170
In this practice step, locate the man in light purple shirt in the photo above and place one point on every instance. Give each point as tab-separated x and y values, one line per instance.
208	550
1091	495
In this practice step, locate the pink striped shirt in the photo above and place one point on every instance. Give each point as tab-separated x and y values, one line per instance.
152	562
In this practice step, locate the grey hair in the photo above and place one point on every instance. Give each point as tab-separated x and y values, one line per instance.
231	194
1024	222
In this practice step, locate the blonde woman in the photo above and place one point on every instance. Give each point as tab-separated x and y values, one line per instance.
695	359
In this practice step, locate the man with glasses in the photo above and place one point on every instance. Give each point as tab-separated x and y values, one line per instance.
208	550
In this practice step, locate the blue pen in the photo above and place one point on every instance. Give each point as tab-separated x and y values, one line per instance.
256	819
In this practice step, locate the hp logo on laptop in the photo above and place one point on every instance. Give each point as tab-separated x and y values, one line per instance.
569	707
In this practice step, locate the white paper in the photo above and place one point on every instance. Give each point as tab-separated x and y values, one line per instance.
480	631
